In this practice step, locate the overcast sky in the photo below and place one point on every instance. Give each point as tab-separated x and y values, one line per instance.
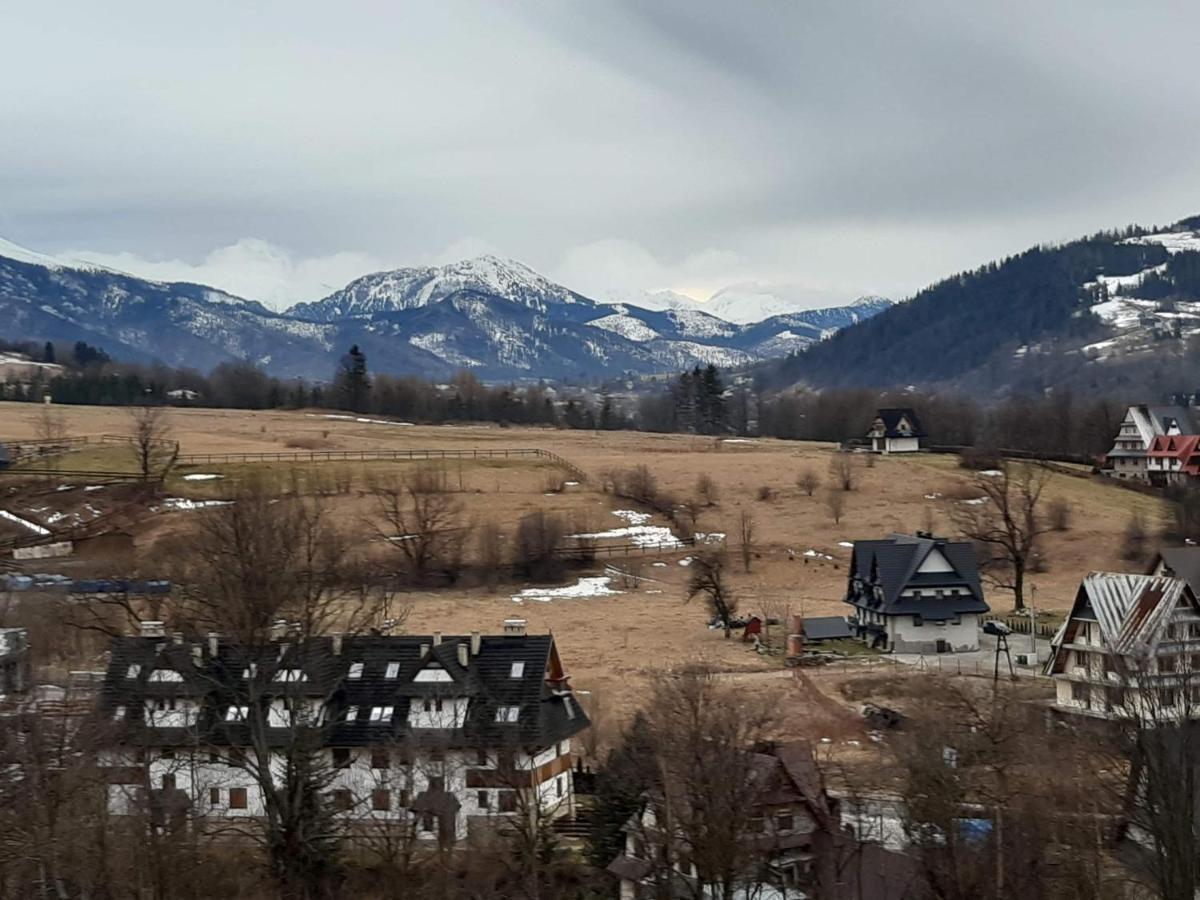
278	149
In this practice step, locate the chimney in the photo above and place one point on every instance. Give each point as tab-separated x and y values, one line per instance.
279	629
424	650
463	654
177	637
514	627
197	655
214	644
153	630
337	645
437	638
476	641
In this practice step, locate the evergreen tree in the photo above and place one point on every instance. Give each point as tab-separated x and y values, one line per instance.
48	353
352	385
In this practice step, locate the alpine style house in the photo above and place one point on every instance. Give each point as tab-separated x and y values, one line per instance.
436	734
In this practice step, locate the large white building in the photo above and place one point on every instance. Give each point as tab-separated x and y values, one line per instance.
1130	648
429	735
916	594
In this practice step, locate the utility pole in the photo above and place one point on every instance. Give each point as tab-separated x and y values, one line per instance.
1033	621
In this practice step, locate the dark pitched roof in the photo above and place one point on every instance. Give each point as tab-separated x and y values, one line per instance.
822	628
891	417
1182	562
880	570
1166	416
548	711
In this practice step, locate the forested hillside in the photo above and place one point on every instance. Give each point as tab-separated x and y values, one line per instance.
1024	322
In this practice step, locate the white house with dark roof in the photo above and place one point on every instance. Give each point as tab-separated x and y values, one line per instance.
1130	647
428	734
896	430
916	594
1142	424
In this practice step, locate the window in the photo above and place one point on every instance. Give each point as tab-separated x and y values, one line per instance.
168	782
393	671
507	713
380	758
119	713
1080	692
757	825
404	798
237	713
290	675
342	800
382	713
482	800
508	801
517	670
167	753
427	822
1115	698
356	670
1168	697
558	787
214	756
214	796
784	822
165	675
133	671
250	671
162	704
341	757
351	713
381	800
432	705
1166	664
437	783
918	621
481	758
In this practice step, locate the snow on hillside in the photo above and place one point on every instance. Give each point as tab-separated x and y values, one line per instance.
658	301
626	326
694	323
1174	241
747	303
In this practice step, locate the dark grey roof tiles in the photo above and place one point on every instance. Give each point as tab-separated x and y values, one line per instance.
881	570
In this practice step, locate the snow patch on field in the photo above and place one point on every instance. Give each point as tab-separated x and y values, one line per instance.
183	503
582	589
201	476
636	532
24	523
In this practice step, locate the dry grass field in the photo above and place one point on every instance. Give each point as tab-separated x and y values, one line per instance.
614	643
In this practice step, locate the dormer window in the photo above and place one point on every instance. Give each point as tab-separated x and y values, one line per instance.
250	671
290	675
507	713
133	671
393	671
118	713
351	713
517	670
237	713
356	670
165	675
382	713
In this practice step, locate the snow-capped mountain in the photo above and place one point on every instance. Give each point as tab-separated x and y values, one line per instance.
496	317
749	304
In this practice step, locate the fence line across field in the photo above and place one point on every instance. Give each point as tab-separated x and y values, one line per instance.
195	459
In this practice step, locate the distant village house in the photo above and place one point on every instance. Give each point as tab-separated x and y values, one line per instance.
896	431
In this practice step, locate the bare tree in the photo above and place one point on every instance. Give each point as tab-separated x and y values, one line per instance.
1133	539
422	522
707	580
50	425
746	536
808	481
1059	514
150	440
706	490
835	502
540	536
1006	520
843	467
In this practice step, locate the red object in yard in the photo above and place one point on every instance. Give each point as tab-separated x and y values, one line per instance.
754	626
795	645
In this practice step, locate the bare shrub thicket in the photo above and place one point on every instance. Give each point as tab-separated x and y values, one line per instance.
489	553
808	481
422	523
539	536
706	490
765	493
1134	538
844	470
835	502
979	459
1058	514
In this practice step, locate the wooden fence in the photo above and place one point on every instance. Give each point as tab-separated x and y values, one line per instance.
201	459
